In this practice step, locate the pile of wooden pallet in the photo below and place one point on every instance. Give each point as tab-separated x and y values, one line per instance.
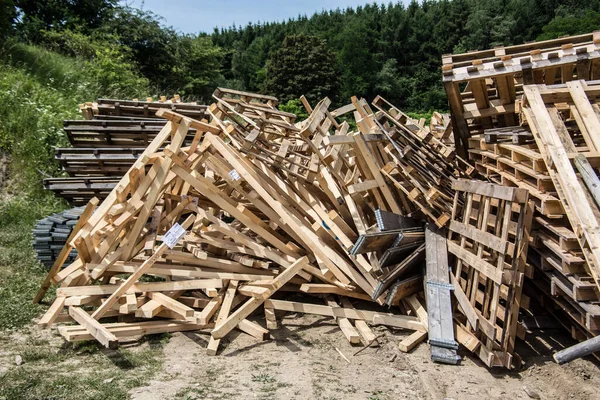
106	144
528	117
257	203
217	211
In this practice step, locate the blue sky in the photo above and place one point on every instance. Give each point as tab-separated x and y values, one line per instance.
191	16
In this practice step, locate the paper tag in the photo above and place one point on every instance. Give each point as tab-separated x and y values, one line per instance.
173	235
234	175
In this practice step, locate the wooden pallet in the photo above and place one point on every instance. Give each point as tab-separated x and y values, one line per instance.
490	243
495	78
79	190
141	109
541	192
115	132
96	161
561	146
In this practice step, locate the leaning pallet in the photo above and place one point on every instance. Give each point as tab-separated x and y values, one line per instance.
490	243
249	208
577	186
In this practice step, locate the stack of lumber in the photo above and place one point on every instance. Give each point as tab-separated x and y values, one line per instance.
199	236
541	137
50	235
107	143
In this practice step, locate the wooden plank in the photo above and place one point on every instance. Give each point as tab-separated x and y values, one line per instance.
223	328
213	344
133	278
102	290
169	303
345	325
128	330
586	112
400	321
253	329
367	335
95	328
483	237
53	311
439	302
479	264
410	342
490	190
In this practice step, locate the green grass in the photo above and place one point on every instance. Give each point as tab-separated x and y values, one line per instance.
20	272
38	90
81	370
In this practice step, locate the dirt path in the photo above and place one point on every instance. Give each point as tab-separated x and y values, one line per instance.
302	363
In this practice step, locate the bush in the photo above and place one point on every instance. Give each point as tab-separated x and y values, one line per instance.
39	89
295	106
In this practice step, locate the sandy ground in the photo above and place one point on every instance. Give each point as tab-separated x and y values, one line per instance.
301	362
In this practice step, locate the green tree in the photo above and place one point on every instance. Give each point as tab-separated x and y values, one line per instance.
8	13
570	22
197	68
85	15
302	66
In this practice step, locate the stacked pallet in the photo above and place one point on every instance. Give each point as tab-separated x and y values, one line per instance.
495	78
108	141
546	144
257	203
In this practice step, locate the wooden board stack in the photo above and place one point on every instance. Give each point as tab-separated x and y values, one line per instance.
106	144
255	204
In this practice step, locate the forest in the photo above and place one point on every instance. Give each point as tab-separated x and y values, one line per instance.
389	49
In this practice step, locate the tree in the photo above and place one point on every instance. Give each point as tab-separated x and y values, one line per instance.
8	13
83	15
569	22
302	66
198	67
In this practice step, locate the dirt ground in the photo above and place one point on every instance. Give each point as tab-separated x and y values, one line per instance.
302	363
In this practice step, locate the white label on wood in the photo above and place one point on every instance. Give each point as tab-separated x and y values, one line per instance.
173	235
234	175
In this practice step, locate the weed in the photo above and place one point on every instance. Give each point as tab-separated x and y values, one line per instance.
190	393
263	378
377	395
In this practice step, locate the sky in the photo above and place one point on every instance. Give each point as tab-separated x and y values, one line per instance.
189	16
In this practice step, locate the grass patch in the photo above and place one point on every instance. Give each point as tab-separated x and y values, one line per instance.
82	370
263	378
189	393
20	272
